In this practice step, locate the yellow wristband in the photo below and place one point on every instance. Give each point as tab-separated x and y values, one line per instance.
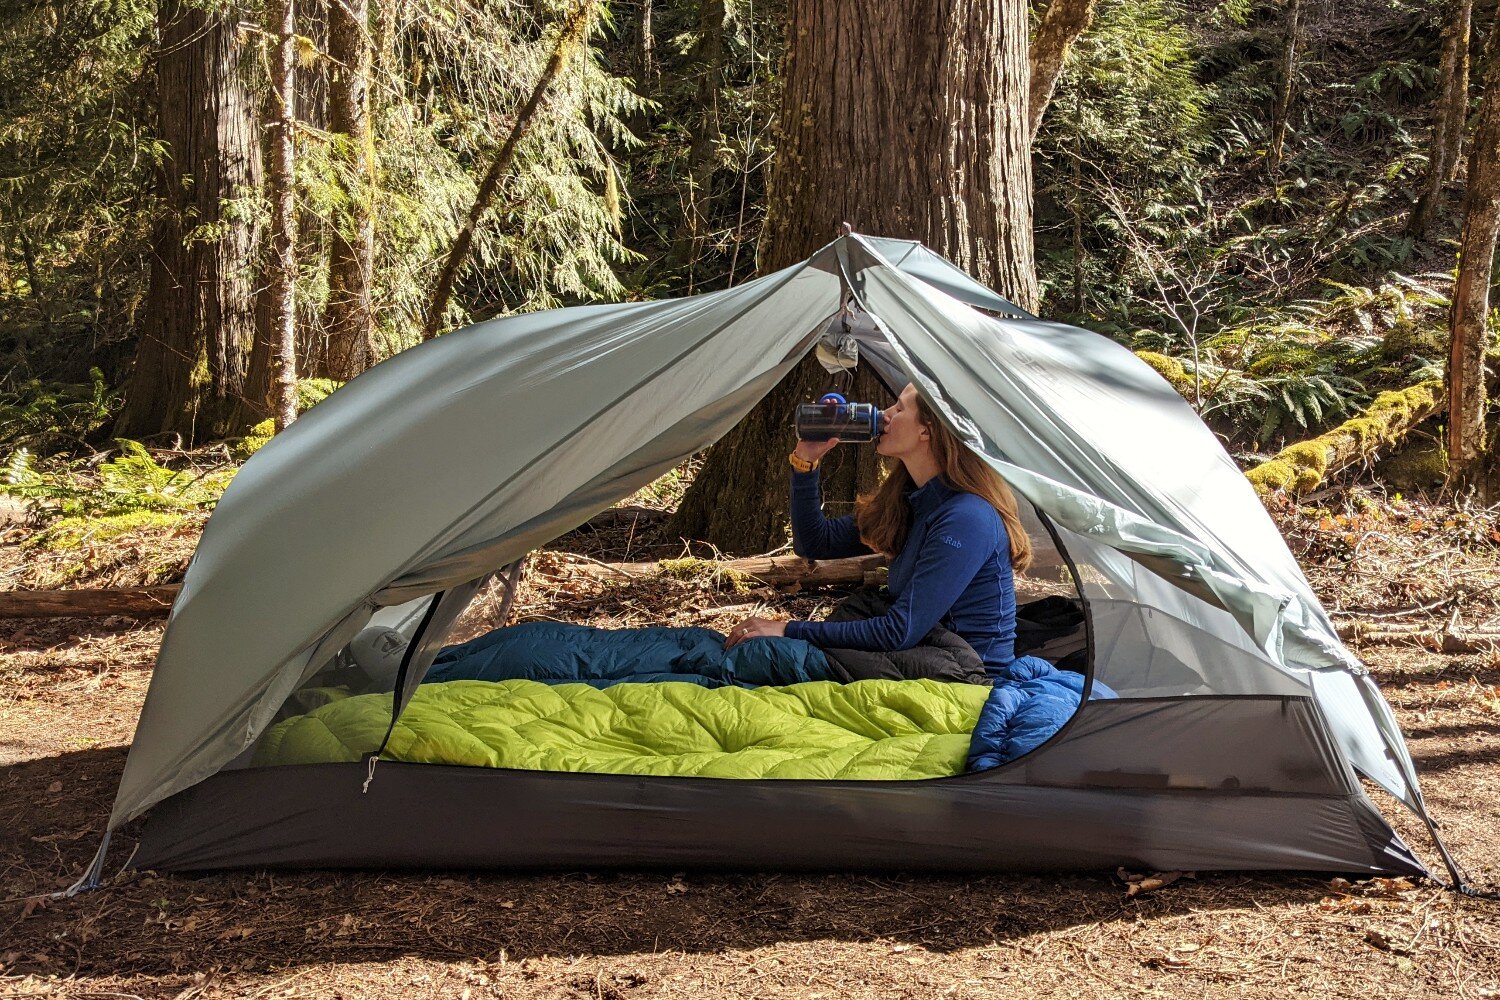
801	464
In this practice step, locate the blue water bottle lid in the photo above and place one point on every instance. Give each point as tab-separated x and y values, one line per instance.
833	397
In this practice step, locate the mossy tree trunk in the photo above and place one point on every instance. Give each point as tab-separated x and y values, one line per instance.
199	320
1061	24
708	64
1300	468
349	319
1445	149
1469	314
1286	90
903	120
280	192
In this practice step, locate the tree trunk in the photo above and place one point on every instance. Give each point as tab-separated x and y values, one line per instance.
1452	108
648	46
905	122
1284	95
1061	25
280	193
708	64
349	321
199	321
1457	123
1469	315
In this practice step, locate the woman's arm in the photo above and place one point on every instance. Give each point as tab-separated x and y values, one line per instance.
957	545
813	535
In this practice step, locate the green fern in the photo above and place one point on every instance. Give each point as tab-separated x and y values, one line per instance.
134	481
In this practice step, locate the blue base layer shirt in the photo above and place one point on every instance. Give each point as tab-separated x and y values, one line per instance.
954	570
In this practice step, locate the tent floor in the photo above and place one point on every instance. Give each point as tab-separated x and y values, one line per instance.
434	817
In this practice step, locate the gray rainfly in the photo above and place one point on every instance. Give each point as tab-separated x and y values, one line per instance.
1239	739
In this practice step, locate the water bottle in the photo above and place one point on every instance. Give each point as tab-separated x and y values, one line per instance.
835	417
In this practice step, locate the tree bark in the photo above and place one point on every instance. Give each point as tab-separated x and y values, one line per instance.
1284	95
708	64
648	46
905	121
1446	144
1061	25
349	320
198	323
281	195
575	33
1469	314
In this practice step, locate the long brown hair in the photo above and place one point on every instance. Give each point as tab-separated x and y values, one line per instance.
884	516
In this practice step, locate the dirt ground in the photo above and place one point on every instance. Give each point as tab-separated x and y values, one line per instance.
70	692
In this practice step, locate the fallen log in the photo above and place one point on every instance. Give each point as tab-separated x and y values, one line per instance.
1299	468
1436	638
133	602
623	515
775	571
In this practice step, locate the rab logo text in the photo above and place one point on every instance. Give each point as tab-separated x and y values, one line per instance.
950	540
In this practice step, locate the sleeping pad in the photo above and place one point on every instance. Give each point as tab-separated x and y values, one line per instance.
869	730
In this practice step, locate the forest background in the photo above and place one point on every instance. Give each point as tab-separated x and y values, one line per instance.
212	214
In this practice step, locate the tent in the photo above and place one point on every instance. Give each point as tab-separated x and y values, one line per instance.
1239	739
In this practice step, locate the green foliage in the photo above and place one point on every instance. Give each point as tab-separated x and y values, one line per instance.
1302	466
76	155
1308	364
49	415
450	86
658	173
1124	135
70	533
310	392
133	481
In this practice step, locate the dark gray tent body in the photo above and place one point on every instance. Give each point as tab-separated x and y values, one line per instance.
1239	739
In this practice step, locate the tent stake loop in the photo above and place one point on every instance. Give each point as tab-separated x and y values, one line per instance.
89	880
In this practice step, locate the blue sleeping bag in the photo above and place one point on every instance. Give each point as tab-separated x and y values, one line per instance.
1027	706
1030	701
553	651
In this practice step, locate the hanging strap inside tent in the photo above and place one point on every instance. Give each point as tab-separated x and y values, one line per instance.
400	688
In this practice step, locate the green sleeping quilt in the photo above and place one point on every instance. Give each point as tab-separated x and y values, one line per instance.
866	731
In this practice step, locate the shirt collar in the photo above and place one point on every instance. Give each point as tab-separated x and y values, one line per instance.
927	498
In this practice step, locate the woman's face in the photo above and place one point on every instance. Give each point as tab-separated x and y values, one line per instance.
903	432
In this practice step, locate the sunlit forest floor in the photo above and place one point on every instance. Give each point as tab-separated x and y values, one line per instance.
70	691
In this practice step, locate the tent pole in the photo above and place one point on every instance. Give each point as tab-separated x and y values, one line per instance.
1408	772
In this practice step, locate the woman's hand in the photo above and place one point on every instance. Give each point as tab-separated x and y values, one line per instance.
813	451
754	628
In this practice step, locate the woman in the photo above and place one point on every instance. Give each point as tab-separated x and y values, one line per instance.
949	525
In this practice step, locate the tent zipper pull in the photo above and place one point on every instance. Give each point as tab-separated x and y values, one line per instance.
369	773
